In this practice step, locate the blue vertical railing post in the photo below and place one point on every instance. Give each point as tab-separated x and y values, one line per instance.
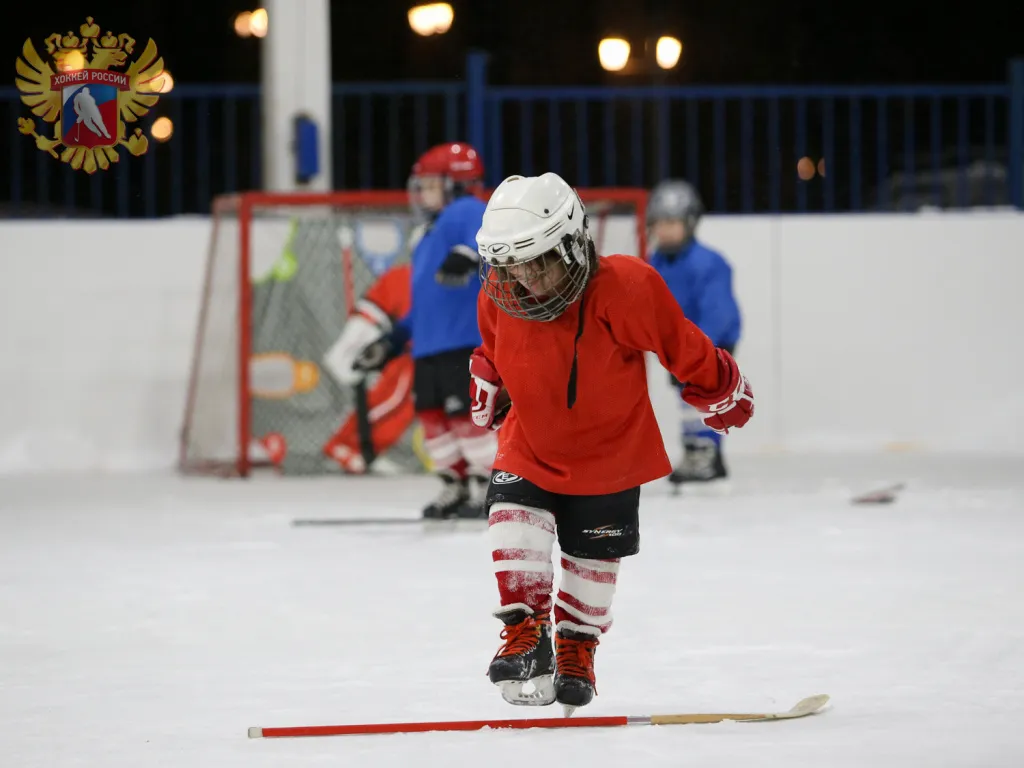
476	107
1016	136
663	138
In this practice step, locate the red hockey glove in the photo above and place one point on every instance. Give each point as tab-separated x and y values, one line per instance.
731	405
484	390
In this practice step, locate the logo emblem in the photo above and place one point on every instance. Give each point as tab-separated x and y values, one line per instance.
84	96
572	212
499	248
504	478
604	532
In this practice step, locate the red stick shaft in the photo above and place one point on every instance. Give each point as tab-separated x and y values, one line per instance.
451	725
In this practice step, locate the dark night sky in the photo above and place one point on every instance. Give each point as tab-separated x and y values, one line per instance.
541	42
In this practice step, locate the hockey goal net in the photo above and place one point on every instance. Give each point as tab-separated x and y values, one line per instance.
283	274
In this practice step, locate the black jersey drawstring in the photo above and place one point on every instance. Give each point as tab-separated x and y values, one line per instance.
571	392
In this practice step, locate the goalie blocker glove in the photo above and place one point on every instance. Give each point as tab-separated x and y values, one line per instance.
375	356
728	407
459	267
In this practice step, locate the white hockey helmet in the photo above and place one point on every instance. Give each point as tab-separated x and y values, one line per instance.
536	253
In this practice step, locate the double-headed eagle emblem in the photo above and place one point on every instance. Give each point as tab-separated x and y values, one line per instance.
86	99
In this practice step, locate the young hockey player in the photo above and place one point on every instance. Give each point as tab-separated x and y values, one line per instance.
701	281
442	324
561	371
390	398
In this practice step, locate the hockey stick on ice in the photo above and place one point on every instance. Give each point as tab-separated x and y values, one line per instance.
808	706
363	423
337	521
358	521
879	496
347	239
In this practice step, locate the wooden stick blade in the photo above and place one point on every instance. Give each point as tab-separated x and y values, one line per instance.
879	496
808	706
802	708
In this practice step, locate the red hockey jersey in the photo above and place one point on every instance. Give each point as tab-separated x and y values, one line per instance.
391	294
609	440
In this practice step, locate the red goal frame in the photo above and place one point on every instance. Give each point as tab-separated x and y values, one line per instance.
243	205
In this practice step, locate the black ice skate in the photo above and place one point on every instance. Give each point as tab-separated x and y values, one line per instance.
475	507
523	667
702	464
575	646
450	501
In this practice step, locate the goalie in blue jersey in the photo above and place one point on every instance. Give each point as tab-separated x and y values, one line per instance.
701	281
442	326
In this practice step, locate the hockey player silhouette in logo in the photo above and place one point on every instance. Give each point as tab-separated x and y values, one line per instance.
89	114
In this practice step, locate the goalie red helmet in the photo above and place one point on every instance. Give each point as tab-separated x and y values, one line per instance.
456	160
443	173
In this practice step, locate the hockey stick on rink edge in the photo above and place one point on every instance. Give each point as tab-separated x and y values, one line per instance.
428	522
803	708
885	495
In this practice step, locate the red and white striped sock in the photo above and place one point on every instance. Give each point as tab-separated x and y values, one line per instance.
585	594
522	539
477	445
442	444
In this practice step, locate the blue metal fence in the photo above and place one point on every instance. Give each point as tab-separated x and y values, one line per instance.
859	148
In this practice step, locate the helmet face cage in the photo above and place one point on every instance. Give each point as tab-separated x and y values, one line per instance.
559	274
414	188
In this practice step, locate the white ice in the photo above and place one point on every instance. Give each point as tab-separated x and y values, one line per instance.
148	621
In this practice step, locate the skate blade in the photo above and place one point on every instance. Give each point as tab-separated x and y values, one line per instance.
538	692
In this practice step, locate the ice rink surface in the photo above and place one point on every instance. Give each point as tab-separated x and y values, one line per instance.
150	620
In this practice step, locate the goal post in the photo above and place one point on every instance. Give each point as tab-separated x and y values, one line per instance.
284	272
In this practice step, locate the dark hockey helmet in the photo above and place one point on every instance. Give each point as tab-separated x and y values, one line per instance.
675	200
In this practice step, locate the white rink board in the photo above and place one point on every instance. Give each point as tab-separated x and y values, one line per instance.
861	332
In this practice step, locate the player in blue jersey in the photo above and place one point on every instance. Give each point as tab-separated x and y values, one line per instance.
701	280
442	326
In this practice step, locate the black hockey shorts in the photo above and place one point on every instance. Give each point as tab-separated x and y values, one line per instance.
442	382
599	527
730	348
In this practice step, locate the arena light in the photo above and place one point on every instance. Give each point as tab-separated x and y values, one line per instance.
821	167
243	23
72	61
613	53
162	129
259	22
667	52
431	19
164	83
805	169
